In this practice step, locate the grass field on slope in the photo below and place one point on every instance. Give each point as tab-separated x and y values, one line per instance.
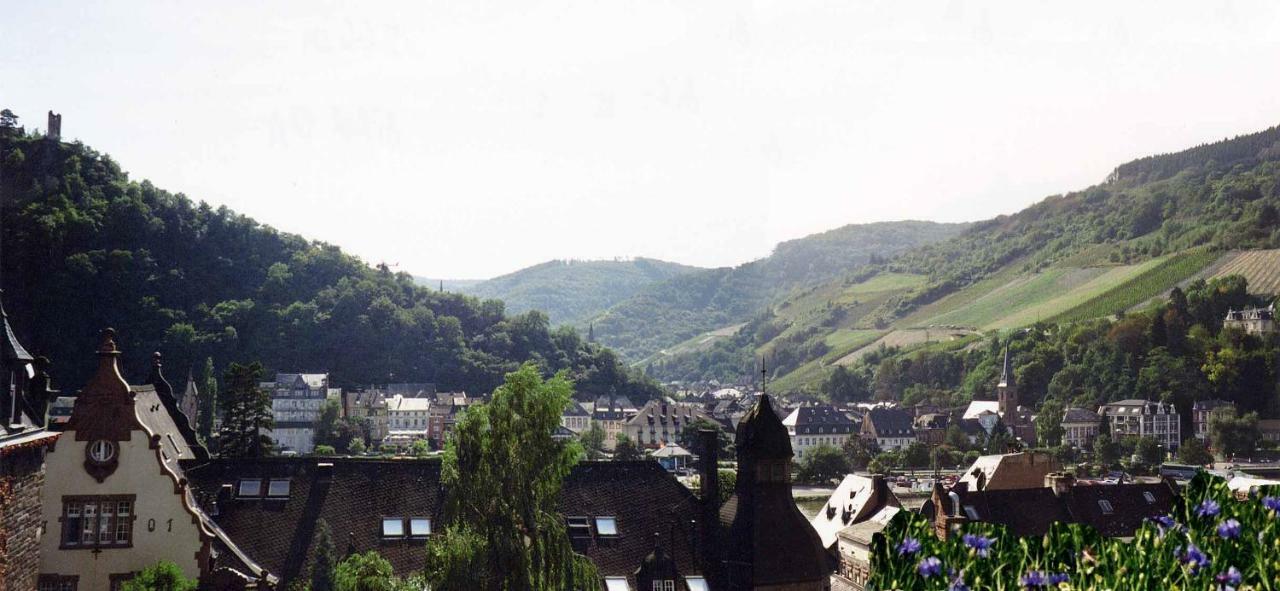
1156	276
1260	267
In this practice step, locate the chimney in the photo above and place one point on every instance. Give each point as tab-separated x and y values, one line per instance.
1060	482
324	472
709	468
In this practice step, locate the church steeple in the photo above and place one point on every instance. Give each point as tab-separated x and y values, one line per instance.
1007	392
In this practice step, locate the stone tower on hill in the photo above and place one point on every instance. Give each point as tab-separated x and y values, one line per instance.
54	131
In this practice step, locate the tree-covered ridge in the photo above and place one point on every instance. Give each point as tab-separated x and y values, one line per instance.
84	247
679	308
1246	149
573	292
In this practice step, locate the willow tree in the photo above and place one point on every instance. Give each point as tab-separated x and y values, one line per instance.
503	471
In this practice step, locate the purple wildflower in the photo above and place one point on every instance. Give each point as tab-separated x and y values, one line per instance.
1057	578
980	544
957	584
1194	558
1231	577
1034	579
929	567
909	545
1229	529
1208	508
1272	503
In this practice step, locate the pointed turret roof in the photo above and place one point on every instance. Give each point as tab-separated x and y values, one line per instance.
761	433
1006	375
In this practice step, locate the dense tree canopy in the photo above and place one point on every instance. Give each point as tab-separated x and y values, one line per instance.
86	248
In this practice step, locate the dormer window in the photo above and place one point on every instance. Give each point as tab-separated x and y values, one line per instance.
249	488
667	585
278	488
392	527
579	527
419	527
1151	499
616	584
607	526
697	584
1105	505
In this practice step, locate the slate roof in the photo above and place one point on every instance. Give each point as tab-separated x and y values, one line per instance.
679	415
1031	511
642	497
855	500
978	407
808	419
353	499
158	419
890	422
645	499
575	410
1080	415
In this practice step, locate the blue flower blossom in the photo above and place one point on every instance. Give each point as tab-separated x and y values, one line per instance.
1229	529
908	546
1228	580
1056	578
1208	508
1194	558
1272	503
980	544
957	584
1034	579
929	567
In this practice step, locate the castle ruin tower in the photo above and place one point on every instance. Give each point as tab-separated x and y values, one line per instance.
54	131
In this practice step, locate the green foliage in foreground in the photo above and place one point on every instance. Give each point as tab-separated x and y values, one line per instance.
1211	541
161	576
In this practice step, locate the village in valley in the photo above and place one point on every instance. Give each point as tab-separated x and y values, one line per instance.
639	297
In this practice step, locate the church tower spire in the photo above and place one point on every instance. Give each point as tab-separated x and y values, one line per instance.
1007	391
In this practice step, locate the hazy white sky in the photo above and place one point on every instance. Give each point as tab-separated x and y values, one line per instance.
467	139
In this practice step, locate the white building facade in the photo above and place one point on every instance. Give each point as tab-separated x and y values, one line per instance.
1143	418
296	399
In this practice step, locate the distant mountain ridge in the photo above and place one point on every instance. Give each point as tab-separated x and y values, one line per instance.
574	291
672	311
1156	222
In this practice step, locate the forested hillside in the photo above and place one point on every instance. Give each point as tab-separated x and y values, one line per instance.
85	248
684	306
574	292
1156	223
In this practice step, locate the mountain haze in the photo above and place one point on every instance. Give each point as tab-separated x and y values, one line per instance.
573	292
667	313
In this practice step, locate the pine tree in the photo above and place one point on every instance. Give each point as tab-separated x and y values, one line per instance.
208	402
246	414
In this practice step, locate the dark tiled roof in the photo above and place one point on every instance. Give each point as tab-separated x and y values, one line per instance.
891	422
760	433
575	410
810	418
1081	415
1031	511
353	500
1210	404
641	496
646	500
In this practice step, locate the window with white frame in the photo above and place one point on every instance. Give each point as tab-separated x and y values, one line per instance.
393	527
278	488
97	522
249	487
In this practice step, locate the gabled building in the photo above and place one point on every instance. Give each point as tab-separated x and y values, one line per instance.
24	395
408	420
889	428
1202	411
817	424
1143	418
117	500
1255	321
575	418
1080	426
1008	471
296	399
855	500
660	422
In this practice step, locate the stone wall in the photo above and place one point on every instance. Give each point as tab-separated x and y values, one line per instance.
21	478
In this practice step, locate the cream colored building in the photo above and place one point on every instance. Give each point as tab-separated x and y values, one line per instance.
115	500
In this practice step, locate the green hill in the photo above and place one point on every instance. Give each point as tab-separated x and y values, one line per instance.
85	248
1156	223
574	292
668	313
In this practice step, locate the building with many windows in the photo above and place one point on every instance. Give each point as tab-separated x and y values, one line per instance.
1080	426
1202	411
408	420
889	428
1143	418
813	425
660	422
296	399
